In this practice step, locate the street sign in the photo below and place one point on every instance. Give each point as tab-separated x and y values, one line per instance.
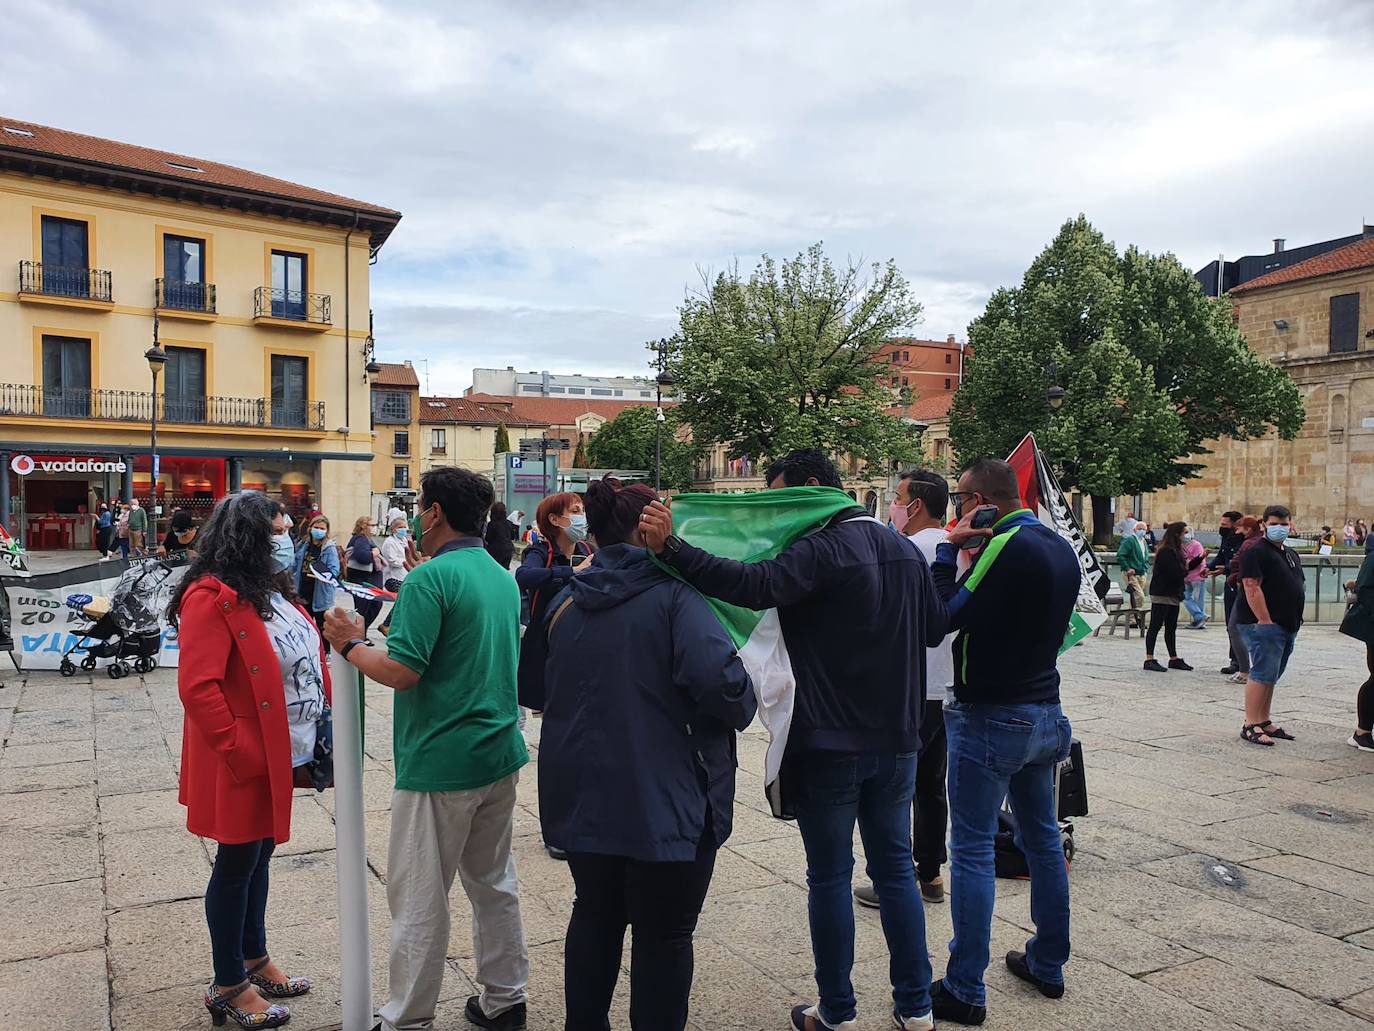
157	466
516	462
564	444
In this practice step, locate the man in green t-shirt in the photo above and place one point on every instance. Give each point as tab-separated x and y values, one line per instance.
451	656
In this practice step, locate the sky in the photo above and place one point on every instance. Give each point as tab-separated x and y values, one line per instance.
567	170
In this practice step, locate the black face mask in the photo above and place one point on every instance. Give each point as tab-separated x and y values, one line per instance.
1225	531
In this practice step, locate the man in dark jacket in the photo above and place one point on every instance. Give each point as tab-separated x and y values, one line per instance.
1005	730
1231	540
858	609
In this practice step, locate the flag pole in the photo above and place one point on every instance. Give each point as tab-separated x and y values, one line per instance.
355	954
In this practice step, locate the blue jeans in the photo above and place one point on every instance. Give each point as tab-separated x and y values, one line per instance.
1270	647
236	908
833	790
995	752
1193	598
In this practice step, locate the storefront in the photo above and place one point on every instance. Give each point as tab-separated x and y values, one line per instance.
57	494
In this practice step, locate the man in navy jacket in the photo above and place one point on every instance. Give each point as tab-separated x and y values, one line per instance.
1005	730
858	609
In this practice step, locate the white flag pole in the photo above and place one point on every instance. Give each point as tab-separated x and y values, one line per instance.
355	954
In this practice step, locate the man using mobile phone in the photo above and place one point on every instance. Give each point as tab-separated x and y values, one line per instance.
1005	728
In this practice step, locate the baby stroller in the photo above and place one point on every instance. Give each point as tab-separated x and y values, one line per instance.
126	626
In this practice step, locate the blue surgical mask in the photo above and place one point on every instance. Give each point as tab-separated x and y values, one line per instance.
1277	533
1188	536
283	552
577	529
318	533
400	534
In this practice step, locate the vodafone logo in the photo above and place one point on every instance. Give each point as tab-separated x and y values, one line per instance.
24	465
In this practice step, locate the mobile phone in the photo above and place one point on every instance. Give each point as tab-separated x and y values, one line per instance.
984	518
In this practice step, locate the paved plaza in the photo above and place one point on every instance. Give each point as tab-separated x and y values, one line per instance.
1217	885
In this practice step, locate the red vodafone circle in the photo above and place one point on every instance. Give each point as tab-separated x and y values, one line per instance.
22	464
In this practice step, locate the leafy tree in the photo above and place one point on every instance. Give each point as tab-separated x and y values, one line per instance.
788	358
502	439
580	455
627	442
1150	367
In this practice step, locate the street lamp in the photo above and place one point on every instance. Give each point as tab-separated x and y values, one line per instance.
664	379
157	358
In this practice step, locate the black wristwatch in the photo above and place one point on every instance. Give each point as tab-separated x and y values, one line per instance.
343	652
672	546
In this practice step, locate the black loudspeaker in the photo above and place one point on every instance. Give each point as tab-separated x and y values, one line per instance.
1073	784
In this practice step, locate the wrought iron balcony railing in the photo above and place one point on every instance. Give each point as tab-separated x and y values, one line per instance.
197	297
90	284
136	406
275	303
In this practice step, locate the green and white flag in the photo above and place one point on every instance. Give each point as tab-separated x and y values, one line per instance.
752	528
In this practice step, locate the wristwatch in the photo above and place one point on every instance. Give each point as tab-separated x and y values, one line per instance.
343	652
672	546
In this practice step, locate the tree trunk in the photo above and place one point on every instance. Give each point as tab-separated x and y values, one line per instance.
1102	519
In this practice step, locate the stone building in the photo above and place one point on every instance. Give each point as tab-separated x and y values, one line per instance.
1315	320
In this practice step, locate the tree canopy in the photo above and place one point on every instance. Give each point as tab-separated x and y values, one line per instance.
1151	370
627	442
502	439
787	358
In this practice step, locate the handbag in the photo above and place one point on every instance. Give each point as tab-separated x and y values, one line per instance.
318	773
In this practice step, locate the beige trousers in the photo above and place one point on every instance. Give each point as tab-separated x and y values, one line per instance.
435	835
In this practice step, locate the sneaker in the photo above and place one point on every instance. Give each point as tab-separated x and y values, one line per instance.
1016	963
512	1019
1238	678
926	1023
946	1007
1364	742
933	890
866	896
1180	664
808	1018
1196	626
1154	667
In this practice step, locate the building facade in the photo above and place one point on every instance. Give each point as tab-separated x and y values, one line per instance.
1315	320
255	292
1222	276
509	383
570	419
461	431
925	368
395	436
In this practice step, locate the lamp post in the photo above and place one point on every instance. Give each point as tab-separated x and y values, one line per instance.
664	379
157	358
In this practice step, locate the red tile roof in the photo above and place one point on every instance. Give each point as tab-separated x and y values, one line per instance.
557	411
470	412
42	140
1357	255
393	375
926	409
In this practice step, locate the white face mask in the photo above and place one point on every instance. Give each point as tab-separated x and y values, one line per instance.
576	528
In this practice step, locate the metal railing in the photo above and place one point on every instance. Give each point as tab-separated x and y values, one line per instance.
90	284
172	293
136	406
273	302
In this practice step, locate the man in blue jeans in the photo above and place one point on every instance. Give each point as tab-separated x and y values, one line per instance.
857	608
1269	614
1005	730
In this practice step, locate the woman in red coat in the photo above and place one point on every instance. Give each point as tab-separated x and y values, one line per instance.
255	687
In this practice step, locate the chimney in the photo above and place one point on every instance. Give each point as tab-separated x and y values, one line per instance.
1278	244
1366	231
950	339
408	365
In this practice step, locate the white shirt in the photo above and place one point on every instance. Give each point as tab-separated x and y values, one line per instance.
296	641
940	659
393	558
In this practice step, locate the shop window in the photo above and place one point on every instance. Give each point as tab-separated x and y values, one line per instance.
183	379
402	444
400	479
1345	323
67	377
438	441
289	389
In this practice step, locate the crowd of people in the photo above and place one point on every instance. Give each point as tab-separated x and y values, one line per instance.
927	694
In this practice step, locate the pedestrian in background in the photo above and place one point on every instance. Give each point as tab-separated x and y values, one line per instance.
1359	624
1195	581
1220	565
394	563
1348	534
316	547
365	567
1166	596
639	662
104	530
1133	557
1362	537
500	536
121	521
253	683
451	660
1270	617
138	528
547	566
1249	531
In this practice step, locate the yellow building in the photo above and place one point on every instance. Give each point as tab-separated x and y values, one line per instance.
395	438
255	290
461	431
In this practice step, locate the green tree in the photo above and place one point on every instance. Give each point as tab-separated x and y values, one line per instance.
502	439
580	455
627	442
1150	367
787	358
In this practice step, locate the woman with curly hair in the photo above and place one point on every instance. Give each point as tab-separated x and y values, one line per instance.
255	687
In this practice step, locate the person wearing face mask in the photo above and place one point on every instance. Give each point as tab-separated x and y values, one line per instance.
393	552
1166	596
1133	557
1220	565
1270	615
1194	582
316	548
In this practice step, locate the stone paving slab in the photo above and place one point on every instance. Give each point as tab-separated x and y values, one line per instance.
106	888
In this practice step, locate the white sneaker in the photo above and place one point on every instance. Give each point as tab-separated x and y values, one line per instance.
800	1015
1238	678
926	1023
1364	742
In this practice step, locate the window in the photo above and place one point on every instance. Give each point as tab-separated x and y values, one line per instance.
643	393
402	443
289	390
530	388
66	258
67	377
555	390
290	278
906	381
906	356
580	390
183	385
893	357
620	393
894	381
1345	323
391	406
601	392
438	441
183	273
400	477
947	382
949	358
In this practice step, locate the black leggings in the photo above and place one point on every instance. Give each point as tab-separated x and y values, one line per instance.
236	908
1364	704
1165	616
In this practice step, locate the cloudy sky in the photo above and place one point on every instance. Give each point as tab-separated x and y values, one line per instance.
565	168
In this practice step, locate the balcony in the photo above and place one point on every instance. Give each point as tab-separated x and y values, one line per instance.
65	286
179	300
25	400
293	309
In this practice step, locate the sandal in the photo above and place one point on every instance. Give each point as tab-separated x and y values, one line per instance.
1277	732
221	1007
1254	733
287	989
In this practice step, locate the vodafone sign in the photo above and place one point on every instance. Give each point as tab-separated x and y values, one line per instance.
24	465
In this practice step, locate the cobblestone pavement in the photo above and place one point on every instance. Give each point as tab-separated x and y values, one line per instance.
1218	884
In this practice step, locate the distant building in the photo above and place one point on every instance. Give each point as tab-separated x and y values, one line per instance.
1222	276
570	419
509	383
925	367
395	433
